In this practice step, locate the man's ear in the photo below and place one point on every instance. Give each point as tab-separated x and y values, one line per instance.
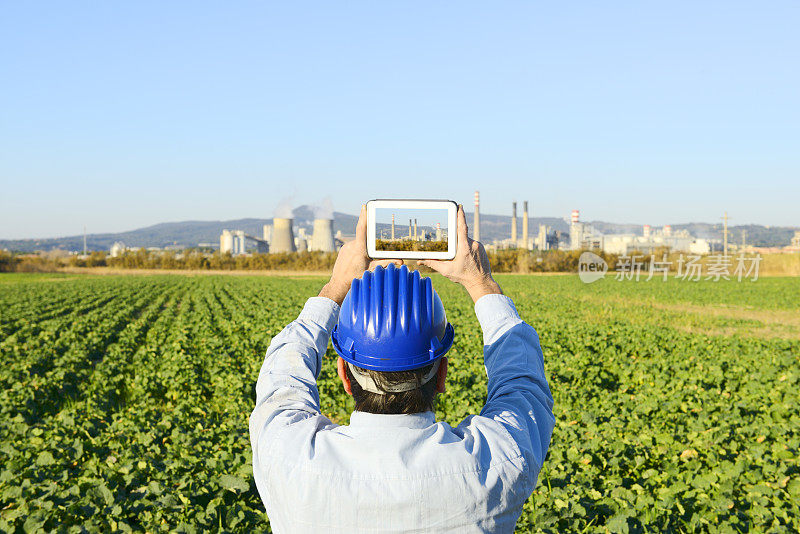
441	374
340	363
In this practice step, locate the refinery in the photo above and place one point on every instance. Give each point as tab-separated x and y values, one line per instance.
286	235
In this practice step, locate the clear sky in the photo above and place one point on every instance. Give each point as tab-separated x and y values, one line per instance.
120	115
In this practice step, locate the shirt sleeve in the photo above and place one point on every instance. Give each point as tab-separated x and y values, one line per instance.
518	397
286	391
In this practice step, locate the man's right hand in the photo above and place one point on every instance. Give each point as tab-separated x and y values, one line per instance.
470	267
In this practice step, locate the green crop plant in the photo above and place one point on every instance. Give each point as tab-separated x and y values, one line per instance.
124	400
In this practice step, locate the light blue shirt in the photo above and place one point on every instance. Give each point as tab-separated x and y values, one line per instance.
399	473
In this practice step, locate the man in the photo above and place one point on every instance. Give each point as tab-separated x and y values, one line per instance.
394	468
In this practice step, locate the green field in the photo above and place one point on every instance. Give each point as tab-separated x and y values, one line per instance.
124	400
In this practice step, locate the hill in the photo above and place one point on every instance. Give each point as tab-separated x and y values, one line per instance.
192	233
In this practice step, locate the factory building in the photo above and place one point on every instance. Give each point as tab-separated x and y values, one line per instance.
117	249
546	239
583	236
232	242
652	240
301	240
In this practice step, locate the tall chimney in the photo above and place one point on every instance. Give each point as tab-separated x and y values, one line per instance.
646	231
410	235
476	230
392	226
514	223
525	225
322	238
438	231
668	230
576	216
282	236
415	229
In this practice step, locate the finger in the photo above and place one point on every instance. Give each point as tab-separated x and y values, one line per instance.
436	265
462	229
361	227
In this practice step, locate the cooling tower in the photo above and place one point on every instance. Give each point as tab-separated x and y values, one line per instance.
322	239
525	225
282	236
476	230
514	222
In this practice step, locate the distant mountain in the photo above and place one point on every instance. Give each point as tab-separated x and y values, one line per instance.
191	233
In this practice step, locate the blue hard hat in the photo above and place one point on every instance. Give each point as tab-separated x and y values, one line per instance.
392	320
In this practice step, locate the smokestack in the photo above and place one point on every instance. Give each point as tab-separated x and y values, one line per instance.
514	223
668	230
525	225
322	238
392	226
476	230
415	229
410	235
282	236
438	231
301	243
646	231
576	216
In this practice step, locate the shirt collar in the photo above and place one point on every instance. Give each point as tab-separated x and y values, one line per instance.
414	420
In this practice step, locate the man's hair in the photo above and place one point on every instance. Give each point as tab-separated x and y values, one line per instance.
421	399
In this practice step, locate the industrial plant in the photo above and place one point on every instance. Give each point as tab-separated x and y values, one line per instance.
583	236
280	237
284	235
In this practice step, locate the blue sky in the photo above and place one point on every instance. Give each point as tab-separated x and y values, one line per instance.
119	116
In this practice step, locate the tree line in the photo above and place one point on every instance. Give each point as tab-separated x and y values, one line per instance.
503	261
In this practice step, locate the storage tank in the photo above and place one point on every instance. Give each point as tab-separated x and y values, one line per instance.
322	239
226	242
282	236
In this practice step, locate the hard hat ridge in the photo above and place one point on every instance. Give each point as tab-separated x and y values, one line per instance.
392	320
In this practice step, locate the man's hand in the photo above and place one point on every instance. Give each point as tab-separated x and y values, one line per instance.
351	263
470	267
